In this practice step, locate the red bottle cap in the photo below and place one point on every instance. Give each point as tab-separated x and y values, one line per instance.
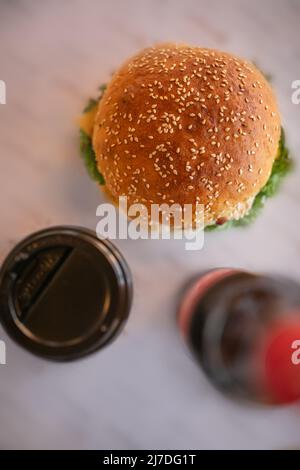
280	361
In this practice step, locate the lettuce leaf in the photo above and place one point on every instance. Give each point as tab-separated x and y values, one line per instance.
86	146
94	101
281	166
90	105
89	157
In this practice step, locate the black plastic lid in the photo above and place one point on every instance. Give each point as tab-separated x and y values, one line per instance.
64	293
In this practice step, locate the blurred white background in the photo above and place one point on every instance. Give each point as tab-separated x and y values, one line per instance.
144	391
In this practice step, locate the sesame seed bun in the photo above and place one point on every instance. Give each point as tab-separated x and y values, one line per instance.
180	124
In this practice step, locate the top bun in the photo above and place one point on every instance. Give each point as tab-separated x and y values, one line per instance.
181	124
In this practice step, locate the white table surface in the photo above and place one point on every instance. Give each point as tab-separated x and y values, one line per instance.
144	391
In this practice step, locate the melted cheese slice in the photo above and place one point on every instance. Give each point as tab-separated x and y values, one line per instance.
86	121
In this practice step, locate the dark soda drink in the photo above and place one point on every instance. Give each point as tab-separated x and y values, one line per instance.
244	330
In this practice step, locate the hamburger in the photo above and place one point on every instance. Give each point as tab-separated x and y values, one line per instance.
186	125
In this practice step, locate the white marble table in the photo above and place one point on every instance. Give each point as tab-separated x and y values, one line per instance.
143	391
